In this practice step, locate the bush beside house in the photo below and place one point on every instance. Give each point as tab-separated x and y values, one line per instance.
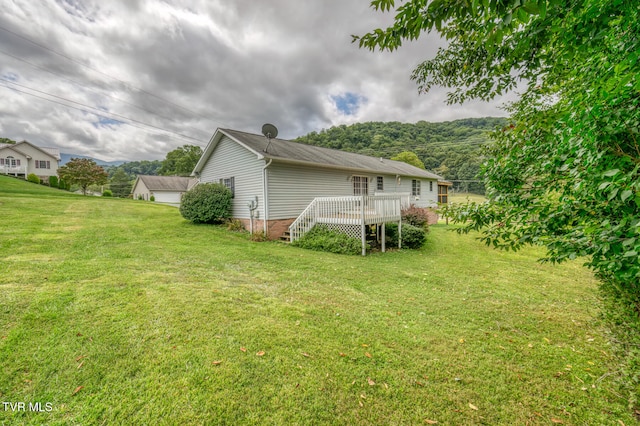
207	203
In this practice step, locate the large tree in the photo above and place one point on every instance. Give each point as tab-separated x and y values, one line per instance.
120	184
83	172
565	172
409	158
181	161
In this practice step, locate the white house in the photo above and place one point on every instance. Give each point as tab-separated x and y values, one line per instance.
24	158
164	189
275	180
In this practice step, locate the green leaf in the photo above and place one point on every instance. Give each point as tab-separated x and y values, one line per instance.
626	194
610	173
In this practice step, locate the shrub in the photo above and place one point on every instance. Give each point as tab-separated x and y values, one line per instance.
53	181
33	178
152	198
62	184
413	237
206	203
107	193
235	225
321	238
259	236
140	197
416	216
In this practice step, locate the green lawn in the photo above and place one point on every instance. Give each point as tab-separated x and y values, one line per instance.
463	197
121	312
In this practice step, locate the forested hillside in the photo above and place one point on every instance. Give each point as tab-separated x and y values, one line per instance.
452	149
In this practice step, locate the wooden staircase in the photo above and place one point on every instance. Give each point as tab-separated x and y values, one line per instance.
286	237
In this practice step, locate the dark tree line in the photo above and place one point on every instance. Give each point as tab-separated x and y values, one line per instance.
452	149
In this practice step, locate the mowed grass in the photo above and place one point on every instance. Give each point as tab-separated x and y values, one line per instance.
464	197
121	312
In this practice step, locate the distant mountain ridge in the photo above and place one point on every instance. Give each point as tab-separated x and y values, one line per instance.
66	157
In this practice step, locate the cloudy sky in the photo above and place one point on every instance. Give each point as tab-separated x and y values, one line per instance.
134	79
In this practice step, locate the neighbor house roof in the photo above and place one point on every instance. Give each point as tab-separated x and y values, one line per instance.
52	152
167	183
299	153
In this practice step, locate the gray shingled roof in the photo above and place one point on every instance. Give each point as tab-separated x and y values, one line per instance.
167	183
293	152
54	152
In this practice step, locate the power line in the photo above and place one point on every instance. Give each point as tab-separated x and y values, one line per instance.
92	112
127	84
91	90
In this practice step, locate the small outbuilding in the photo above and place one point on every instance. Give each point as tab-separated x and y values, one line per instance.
164	189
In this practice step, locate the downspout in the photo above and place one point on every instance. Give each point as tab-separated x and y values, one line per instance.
265	196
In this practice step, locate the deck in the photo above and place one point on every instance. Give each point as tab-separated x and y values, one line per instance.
349	214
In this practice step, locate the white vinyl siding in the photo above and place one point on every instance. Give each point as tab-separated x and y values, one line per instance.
232	160
48	165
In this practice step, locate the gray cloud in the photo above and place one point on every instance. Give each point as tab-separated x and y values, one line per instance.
186	67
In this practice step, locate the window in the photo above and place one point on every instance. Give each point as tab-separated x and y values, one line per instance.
40	164
1	161
380	183
430	186
360	185
415	187
443	194
231	184
12	162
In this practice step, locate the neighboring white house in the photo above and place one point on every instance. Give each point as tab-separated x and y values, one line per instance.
164	189
24	158
278	179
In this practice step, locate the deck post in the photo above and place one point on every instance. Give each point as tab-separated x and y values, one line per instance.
362	227
384	238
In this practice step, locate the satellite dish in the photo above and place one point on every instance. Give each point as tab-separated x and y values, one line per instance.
269	130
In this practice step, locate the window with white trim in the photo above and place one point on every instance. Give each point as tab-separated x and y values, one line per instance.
230	183
380	183
360	185
41	164
430	186
415	188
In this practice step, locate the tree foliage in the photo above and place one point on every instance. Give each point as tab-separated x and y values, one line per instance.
181	161
409	158
451	149
83	172
120	184
565	172
7	140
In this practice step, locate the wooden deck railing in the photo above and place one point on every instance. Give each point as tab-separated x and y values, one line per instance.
15	170
354	210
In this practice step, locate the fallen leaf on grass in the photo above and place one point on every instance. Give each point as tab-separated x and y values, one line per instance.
343	354
77	390
364	345
80	357
367	354
431	422
306	354
80	365
261	353
371	382
556	420
473	407
216	362
243	349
